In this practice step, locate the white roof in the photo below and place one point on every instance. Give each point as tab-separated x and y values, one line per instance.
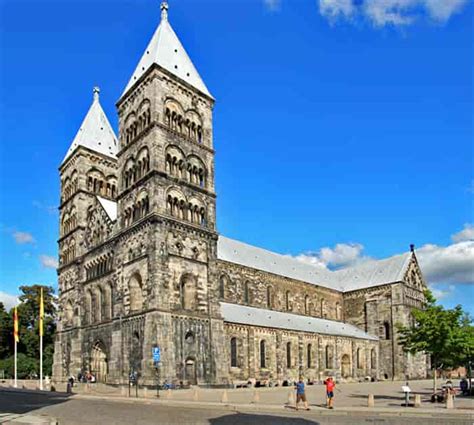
166	50
372	273
234	313
109	206
95	132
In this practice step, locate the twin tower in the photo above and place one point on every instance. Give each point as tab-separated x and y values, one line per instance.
137	228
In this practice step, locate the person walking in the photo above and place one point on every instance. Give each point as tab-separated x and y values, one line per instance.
330	387
301	394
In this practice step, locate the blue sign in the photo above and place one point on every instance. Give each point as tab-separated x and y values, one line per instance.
156	354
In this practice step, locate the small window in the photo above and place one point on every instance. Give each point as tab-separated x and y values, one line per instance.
262	354
308	356
386	327
233	352
288	355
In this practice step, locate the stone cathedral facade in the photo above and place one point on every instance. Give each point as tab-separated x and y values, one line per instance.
141	264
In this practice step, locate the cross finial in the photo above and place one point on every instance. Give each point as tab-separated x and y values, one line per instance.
164	10
96	91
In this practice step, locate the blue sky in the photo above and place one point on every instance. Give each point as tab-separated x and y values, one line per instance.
343	130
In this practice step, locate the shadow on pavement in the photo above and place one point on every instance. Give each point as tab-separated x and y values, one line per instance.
12	401
245	418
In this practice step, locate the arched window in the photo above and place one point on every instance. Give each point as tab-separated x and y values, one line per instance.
287	301
246	293
136	294
306	304
262	354
309	360
88	308
108	302
329	357
233	352
288	355
222	282
269	296
373	359
98	304
386	327
188	293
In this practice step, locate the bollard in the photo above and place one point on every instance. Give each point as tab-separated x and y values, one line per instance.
256	397
224	398
449	401
123	390
370	401
291	398
145	392
417	400
195	394
168	394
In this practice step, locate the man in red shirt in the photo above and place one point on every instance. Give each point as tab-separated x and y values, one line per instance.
330	387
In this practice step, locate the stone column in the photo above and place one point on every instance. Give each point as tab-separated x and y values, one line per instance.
252	364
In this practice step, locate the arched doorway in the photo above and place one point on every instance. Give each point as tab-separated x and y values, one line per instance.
190	371
99	366
345	366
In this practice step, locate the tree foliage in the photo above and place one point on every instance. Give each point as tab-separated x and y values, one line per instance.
447	335
28	346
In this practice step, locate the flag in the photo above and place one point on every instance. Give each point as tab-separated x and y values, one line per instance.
41	318
15	326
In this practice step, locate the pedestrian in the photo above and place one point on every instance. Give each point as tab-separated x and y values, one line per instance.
330	387
301	394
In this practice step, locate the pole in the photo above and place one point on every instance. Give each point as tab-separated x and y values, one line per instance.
15	367
41	362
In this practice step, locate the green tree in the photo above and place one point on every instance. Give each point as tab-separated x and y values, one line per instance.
446	335
28	346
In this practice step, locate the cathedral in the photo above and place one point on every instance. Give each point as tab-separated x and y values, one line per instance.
143	271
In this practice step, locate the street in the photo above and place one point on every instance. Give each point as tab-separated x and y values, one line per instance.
75	411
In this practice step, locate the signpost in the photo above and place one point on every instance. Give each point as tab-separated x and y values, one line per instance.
156	353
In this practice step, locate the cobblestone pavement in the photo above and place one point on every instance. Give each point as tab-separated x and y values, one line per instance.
75	411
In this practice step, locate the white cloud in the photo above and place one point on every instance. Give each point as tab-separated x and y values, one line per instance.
442	292
50	209
49	262
467	234
272	5
451	264
23	237
342	255
8	300
391	12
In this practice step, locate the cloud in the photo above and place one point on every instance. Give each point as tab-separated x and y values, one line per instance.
8	300
23	237
342	255
467	234
49	262
272	5
451	264
442	292
390	12
50	209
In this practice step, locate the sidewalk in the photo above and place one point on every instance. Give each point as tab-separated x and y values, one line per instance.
316	409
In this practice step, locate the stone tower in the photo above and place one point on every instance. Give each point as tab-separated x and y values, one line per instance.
166	214
88	175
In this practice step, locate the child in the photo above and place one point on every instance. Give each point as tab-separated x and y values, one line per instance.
300	394
330	387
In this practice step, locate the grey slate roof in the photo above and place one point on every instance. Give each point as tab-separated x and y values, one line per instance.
95	132
166	50
244	315
372	273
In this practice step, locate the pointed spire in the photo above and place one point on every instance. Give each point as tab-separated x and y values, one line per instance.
164	10
165	50
96	92
95	132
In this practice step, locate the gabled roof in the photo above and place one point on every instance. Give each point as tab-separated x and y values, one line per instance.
110	207
95	132
166	50
234	313
371	273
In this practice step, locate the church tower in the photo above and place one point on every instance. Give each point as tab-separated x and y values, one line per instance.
166	211
88	175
